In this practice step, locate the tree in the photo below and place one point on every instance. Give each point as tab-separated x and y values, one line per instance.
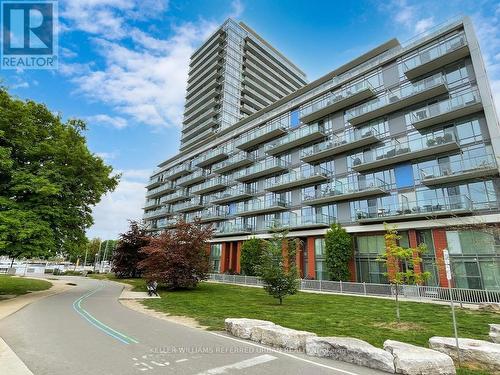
127	254
179	257
277	268
401	263
93	247
338	248
49	181
251	252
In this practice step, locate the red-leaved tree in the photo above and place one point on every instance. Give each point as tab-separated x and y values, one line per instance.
178	257
127	254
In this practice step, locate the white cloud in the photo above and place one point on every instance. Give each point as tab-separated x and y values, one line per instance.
103	119
107	155
111	215
237	9
408	15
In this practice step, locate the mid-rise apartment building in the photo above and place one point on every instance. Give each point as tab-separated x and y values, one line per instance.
406	134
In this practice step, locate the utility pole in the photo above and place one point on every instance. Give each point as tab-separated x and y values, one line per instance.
98	255
446	257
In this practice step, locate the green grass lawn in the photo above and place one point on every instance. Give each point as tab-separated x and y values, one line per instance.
139	285
369	319
15	286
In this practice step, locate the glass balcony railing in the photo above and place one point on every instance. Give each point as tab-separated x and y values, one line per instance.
451	205
192	178
213	213
156	213
191	205
455	107
450	171
332	98
168	186
340	143
232	194
151	203
168	223
304	134
262	168
257	205
238	160
395	99
260	134
228	228
298	221
402	151
211	156
210	185
174	197
432	53
177	171
342	189
297	178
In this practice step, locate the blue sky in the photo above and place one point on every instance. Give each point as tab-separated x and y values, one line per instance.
123	66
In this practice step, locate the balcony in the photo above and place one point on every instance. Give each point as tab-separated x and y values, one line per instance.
260	135
233	194
240	160
300	222
214	184
212	214
178	171
154	182
304	177
168	223
460	170
344	190
448	110
211	157
163	189
164	211
193	178
258	206
151	203
398	98
436	56
339	144
304	134
231	229
179	195
426	209
261	169
404	151
192	205
336	101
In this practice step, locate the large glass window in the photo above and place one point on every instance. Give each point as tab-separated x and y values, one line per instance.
215	254
370	244
319	253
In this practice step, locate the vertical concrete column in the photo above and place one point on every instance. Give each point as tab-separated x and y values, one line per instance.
412	237
238	256
311	258
440	243
352	269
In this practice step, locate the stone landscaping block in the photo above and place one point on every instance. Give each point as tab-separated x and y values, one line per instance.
414	360
351	350
495	333
281	337
242	327
473	352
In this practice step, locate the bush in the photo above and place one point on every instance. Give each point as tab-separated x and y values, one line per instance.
339	250
251	252
127	253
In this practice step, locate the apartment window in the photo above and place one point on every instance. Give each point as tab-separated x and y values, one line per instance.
404	175
319	253
294	118
215	254
370	245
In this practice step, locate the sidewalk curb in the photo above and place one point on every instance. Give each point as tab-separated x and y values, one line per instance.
11	363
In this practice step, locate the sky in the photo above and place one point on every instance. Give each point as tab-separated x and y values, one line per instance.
123	67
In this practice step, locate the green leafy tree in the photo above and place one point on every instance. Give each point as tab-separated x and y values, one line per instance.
339	250
278	269
251	252
93	248
49	181
400	262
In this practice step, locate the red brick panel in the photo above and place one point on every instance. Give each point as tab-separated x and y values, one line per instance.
311	259
440	243
238	256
